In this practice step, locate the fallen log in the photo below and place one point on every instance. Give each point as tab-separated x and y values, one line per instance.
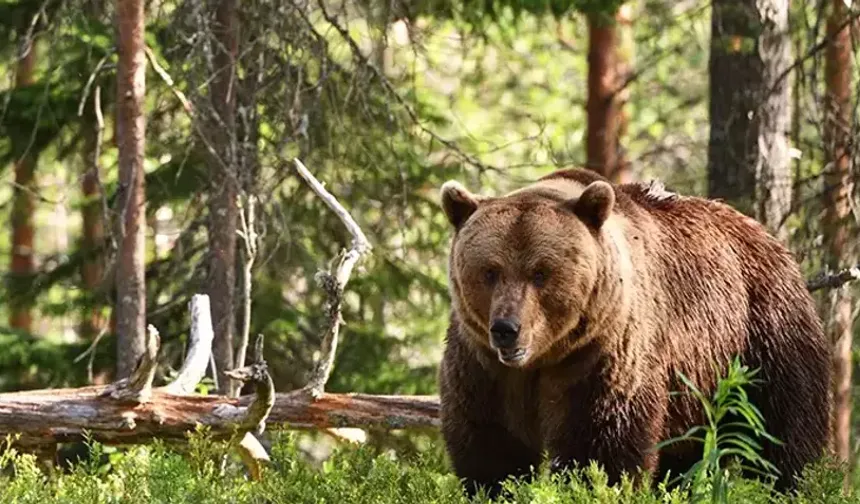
48	417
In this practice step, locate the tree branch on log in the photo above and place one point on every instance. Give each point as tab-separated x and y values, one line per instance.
138	387
264	397
253	453
199	348
834	280
333	284
49	416
45	417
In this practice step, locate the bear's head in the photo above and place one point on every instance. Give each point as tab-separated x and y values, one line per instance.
523	266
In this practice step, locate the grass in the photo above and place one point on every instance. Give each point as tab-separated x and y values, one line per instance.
156	473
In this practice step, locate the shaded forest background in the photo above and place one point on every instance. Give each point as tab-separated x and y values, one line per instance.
146	152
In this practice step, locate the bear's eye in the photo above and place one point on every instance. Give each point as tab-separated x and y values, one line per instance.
491	276
539	277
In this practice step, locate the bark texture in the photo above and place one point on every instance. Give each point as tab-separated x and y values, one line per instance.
50	416
750	108
837	213
92	270
223	210
606	77
130	133
773	168
22	265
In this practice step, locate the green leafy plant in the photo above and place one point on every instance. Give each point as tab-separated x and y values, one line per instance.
725	440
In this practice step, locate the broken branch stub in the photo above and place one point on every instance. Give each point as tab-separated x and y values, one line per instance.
333	283
264	397
199	348
138	387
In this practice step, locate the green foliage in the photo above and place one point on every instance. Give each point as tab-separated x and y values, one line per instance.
479	11
206	472
733	426
29	362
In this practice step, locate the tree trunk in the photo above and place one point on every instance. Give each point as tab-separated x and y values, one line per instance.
222	199
736	76
92	270
606	76
623	71
749	165
130	130
837	212
22	266
773	168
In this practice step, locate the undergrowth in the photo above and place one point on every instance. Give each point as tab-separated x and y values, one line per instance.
156	473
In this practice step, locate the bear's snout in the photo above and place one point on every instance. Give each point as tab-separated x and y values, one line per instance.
505	338
505	332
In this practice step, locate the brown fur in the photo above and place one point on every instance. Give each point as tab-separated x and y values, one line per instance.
617	289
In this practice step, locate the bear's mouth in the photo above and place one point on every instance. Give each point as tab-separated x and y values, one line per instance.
511	355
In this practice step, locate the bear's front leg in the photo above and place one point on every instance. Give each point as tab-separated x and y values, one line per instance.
482	450
617	434
484	455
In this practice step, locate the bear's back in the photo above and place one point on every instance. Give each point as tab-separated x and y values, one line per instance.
711	269
692	222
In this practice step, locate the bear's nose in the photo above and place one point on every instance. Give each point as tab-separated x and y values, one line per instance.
505	331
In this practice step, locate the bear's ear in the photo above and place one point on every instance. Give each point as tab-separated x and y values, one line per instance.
595	204
459	204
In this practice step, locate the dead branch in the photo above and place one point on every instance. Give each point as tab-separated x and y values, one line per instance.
248	234
253	453
186	104
90	82
834	280
199	348
138	387
333	284
264	397
130	411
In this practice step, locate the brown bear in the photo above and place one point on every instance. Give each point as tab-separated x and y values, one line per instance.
576	302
